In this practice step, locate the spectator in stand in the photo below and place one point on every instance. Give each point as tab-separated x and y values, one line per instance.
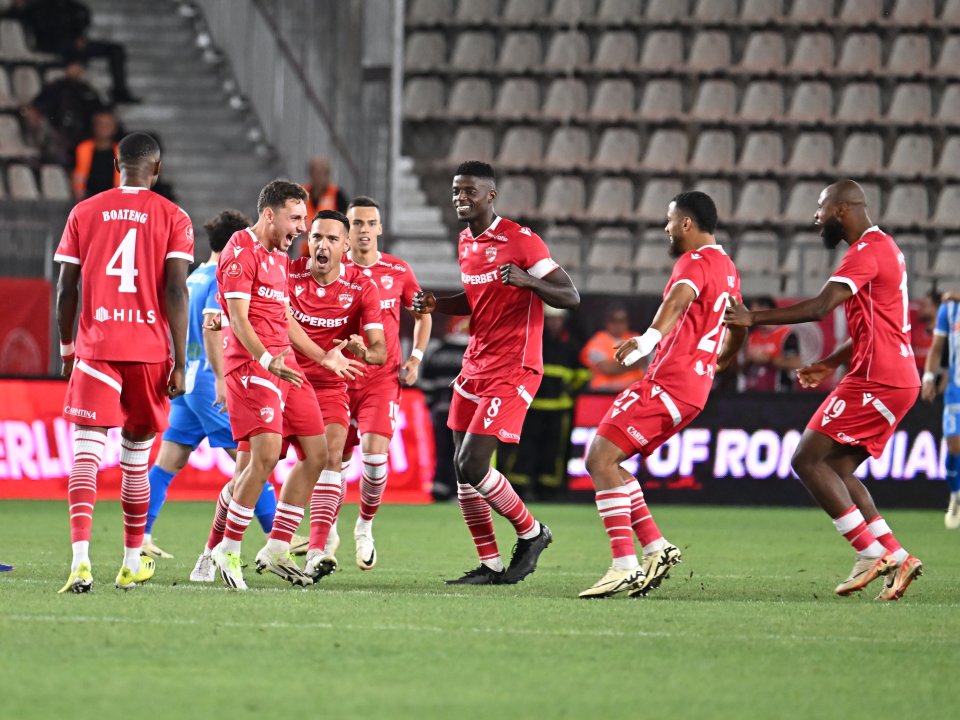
923	325
770	355
60	27
68	104
39	133
94	169
599	355
322	194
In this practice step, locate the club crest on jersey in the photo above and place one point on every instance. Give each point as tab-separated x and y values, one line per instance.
267	414
387	282
234	270
490	253
321	292
298	290
189	233
345	300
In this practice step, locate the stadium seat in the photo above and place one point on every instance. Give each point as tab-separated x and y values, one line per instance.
516	196
613	100
469	98
651	283
911	103
759	202
947	262
862	153
423	97
471	142
916	251
21	183
872	192
808	11
762	152
618	11
429	11
721	193
473	50
714	150
860	54
666	150
949	59
469	11
425	51
619	149
655	197
806	256
811	101
716	100
521	147
571	12
524	11
567	51
616	51
564	196
813	53
566	253
663	50
612	200
565	97
762	100
908	205
802	202
761	11
13	43
949	158
26	83
913	12
859	102
912	155
521	51
861	11
612	234
11	141
758	252
7	100
609	282
947	212
760	283
653	252
662	99
765	51
610	251
910	54
949	109
812	153
664	10
569	147
708	11
710	51
518	98
950	13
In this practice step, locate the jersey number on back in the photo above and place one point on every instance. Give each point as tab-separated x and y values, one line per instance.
707	343
126	254
906	304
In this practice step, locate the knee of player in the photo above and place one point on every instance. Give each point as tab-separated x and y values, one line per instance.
471	467
375	465
802	462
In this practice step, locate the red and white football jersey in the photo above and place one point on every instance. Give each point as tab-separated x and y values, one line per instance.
121	239
248	271
686	359
878	314
396	285
330	313
506	324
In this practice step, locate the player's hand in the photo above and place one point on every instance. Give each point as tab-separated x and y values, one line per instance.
410	371
356	345
220	391
737	314
424	302
279	368
928	390
810	376
213	321
625	348
341	365
176	385
514	276
67	368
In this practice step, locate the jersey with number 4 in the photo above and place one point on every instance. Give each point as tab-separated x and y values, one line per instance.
121	239
878	314
686	359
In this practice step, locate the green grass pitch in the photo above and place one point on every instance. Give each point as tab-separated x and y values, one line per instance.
747	626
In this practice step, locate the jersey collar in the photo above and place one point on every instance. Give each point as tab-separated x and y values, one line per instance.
489	231
350	258
872	228
715	246
343	271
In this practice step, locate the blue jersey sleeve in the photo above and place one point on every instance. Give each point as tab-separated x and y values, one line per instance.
211	303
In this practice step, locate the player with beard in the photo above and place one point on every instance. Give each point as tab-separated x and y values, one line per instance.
691	345
881	385
508	274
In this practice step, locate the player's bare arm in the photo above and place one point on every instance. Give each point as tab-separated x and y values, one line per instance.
177	298
928	389
810	376
373	350
213	346
68	300
422	327
555	289
427	303
238	310
731	346
332	359
668	314
816	308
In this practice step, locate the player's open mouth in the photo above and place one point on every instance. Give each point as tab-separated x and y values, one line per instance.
322	259
463	208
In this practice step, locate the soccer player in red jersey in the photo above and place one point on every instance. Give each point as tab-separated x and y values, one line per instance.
266	395
691	344
332	301
132	249
508	274
375	401
881	385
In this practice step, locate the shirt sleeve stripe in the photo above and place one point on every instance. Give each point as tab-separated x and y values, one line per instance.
211	311
180	256
67	259
940	333
237	296
684	281
373	326
542	268
845	281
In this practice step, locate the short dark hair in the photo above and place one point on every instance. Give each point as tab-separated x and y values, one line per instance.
700	208
363	201
137	148
222	226
276	193
476	168
332	215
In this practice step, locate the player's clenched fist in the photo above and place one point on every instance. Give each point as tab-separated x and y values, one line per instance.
176	385
514	276
424	302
